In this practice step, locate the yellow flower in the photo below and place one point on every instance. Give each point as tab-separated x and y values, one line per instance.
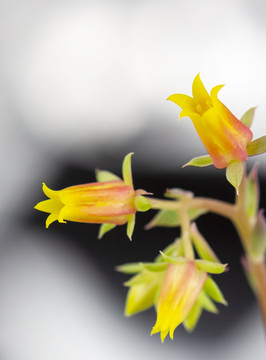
112	202
223	135
182	285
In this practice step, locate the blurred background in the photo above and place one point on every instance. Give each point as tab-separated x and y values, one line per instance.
82	84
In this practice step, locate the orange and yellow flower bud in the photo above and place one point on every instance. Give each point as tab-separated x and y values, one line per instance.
107	202
110	203
223	135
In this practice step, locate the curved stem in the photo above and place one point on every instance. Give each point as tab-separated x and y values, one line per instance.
213	205
185	234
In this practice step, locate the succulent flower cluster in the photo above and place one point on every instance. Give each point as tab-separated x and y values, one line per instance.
179	288
179	282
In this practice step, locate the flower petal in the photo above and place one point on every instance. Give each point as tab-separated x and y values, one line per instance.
51	218
186	103
52	194
49	206
200	94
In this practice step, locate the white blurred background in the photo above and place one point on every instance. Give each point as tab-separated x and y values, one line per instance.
81	80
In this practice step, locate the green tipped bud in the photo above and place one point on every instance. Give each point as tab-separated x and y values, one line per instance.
142	203
210	266
212	289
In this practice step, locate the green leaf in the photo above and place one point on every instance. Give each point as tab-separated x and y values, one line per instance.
144	276
103	175
212	289
203	248
193	317
247	118
130	225
141	297
170	218
174	249
234	173
210	266
155	266
130	268
104	228
126	169
200	161
257	146
207	303
173	259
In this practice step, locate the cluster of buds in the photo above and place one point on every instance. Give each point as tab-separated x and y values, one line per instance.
179	288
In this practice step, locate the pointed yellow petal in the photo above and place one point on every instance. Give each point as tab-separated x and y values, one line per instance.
51	218
185	102
49	206
215	90
164	334
50	193
200	94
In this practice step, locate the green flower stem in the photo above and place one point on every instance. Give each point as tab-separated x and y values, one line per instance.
185	234
216	206
257	267
259	272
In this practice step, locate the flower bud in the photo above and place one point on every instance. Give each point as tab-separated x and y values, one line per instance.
110	202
